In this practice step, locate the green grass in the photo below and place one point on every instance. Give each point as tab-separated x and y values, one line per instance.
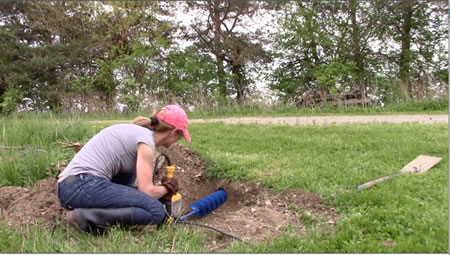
32	146
436	106
410	210
62	240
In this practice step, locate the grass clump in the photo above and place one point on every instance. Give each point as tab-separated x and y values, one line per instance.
31	145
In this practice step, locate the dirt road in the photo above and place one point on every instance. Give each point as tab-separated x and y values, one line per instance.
331	120
322	120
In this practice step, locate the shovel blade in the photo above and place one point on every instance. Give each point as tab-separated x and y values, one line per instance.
421	164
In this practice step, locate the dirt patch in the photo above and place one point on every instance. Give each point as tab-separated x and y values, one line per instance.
21	206
252	212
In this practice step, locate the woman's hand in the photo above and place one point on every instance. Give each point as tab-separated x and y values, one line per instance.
172	186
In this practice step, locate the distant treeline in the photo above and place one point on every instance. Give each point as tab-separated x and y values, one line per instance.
99	56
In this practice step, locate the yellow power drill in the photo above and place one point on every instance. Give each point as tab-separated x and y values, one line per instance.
175	205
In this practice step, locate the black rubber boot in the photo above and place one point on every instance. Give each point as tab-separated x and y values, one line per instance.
96	220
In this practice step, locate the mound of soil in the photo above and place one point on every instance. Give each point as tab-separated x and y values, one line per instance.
21	206
252	212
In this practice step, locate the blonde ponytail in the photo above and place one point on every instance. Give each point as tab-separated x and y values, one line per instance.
143	122
152	123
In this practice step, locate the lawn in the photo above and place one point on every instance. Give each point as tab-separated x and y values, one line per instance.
405	214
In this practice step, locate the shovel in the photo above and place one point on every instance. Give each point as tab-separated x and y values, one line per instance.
421	164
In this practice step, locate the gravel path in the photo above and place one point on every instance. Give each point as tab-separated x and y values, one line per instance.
332	120
322	120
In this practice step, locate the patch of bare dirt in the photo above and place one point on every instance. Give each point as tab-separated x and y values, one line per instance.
252	212
39	204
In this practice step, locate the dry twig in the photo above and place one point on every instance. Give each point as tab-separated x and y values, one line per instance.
173	243
21	148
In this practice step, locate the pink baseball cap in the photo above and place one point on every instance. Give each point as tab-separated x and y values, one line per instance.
175	115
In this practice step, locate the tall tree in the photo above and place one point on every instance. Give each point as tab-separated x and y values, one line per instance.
139	41
52	41
337	46
220	33
308	46
419	28
188	75
358	25
76	53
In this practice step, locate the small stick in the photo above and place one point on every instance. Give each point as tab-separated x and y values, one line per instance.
173	244
20	148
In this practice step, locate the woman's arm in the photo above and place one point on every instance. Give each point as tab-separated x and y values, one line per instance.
144	172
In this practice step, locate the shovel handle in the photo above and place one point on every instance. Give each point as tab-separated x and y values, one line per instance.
379	180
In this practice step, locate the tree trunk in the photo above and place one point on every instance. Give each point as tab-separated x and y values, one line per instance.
221	77
2	86
357	54
238	82
218	51
405	54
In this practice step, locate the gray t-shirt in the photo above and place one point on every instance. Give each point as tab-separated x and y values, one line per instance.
113	150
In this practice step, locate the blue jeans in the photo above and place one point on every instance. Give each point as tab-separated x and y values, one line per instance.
88	191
